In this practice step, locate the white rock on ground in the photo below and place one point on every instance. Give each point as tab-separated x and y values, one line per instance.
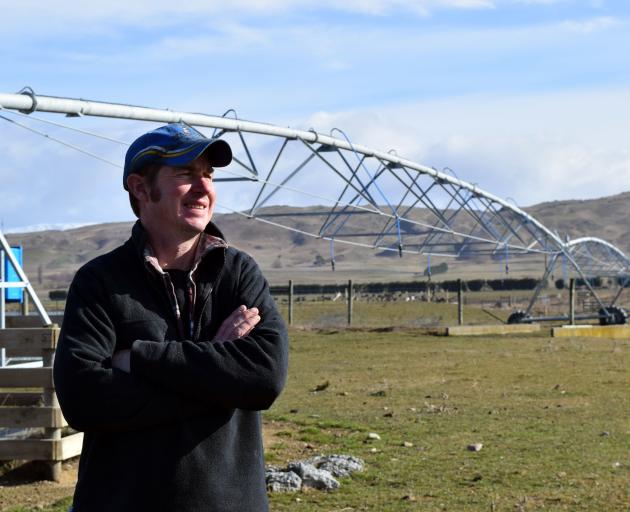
318	472
338	465
313	477
283	481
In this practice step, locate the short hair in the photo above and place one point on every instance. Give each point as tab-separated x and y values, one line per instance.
149	173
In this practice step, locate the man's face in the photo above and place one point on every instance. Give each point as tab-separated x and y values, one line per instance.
182	199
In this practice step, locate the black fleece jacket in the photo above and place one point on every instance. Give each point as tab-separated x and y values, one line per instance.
181	431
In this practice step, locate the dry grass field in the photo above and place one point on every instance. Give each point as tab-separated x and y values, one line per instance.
551	414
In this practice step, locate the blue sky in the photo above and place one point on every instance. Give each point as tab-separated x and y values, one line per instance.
528	98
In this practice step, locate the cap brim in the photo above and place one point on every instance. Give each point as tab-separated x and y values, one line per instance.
217	152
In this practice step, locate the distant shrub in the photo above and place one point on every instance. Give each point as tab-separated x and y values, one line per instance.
525	283
595	282
475	285
452	285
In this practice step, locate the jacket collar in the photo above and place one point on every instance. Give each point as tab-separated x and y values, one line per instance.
212	238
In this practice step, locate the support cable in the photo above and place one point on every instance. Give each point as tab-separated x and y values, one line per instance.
62	142
61	125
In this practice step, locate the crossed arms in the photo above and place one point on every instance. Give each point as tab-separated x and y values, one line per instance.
239	324
242	366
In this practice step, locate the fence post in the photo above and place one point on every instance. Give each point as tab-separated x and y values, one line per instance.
572	301
290	301
460	303
25	303
350	302
50	400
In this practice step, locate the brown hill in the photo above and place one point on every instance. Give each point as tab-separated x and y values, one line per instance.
605	218
52	257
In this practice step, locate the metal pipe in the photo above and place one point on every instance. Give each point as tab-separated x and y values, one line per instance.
28	103
586	316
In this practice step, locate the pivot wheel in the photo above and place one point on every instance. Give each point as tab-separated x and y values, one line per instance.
612	315
519	317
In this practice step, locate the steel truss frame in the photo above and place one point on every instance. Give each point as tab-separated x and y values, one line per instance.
381	201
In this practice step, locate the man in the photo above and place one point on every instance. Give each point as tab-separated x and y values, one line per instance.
170	346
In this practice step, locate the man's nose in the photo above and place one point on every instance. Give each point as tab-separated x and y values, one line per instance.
202	183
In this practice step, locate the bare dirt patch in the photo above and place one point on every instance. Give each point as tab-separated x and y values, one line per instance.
22	485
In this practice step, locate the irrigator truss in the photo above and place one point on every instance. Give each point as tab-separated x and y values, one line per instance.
377	200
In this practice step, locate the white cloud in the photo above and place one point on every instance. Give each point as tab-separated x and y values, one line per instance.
227	38
420	7
46	227
591	25
40	18
470	4
539	2
142	10
532	148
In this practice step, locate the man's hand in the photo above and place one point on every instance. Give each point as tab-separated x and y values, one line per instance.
240	323
122	360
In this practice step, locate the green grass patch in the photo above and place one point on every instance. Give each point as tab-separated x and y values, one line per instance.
551	415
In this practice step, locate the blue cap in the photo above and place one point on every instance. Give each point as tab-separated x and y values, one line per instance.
175	144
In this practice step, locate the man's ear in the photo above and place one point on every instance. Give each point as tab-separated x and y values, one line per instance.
137	187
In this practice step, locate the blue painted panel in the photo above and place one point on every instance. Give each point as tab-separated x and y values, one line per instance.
13	294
